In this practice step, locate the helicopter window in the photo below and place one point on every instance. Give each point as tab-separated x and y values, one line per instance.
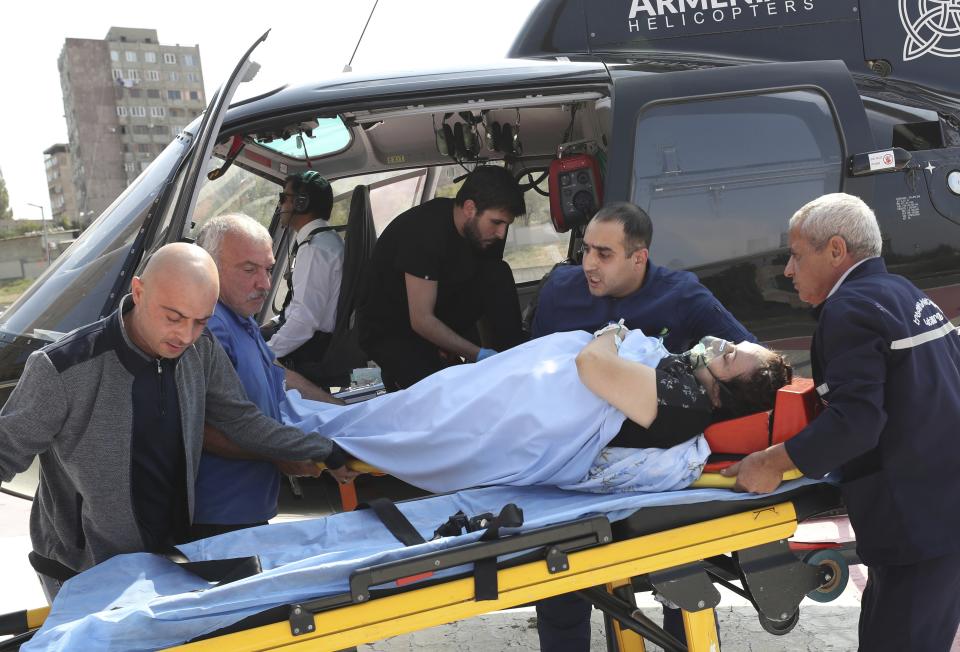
73	291
391	193
328	137
237	191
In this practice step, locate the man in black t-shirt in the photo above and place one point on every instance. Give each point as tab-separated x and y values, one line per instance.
436	271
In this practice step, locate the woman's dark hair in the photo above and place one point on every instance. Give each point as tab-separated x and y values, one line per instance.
757	391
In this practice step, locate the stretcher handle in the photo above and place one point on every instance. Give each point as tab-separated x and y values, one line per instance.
358	466
717	481
18	622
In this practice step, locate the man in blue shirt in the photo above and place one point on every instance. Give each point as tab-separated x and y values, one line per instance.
236	488
618	281
886	364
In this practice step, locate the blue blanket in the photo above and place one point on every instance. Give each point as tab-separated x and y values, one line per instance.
144	602
521	417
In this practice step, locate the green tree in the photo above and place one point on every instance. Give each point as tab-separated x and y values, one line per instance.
5	212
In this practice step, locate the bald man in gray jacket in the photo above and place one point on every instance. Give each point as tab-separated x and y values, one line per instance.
115	410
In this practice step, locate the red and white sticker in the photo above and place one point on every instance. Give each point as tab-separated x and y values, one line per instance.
882	160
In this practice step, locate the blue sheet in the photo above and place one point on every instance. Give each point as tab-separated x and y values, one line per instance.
521	417
143	602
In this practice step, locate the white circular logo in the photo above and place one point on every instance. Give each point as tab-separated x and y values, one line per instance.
931	26
953	181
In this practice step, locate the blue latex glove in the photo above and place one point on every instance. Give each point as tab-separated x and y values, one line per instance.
485	353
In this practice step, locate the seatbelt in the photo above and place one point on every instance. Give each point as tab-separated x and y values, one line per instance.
454	526
394	520
218	571
510	516
484	570
288	275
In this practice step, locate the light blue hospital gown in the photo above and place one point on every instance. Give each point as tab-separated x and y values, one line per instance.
521	417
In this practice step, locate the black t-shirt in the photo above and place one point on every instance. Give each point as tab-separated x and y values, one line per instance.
423	242
683	409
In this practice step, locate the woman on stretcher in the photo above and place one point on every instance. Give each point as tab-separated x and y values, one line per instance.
612	412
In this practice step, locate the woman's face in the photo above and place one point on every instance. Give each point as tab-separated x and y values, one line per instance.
738	359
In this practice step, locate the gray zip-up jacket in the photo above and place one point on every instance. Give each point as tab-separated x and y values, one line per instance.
73	407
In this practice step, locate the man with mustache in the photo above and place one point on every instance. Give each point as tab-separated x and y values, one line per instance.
436	271
237	488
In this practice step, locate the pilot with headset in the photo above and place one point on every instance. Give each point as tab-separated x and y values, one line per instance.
314	270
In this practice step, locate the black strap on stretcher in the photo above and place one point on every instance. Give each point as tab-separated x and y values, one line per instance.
484	570
510	516
394	520
551	543
219	571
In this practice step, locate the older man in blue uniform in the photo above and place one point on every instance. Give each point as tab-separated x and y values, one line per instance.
886	363
618	281
236	488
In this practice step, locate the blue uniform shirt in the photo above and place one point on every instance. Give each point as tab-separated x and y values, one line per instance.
230	491
886	363
669	303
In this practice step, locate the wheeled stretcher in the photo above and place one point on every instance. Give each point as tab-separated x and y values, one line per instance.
606	563
604	546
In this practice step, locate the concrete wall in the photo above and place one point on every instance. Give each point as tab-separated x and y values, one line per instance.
23	256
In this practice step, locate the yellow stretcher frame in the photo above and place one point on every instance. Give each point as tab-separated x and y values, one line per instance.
349	500
611	564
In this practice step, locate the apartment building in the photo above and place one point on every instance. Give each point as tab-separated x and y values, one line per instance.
60	186
125	98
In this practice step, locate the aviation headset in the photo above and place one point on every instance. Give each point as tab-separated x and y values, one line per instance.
310	178
504	137
459	141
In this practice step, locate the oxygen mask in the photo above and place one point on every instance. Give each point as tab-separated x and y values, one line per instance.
706	350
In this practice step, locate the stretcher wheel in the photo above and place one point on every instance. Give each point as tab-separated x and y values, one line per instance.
779	627
834	572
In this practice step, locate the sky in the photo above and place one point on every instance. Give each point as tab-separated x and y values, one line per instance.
308	41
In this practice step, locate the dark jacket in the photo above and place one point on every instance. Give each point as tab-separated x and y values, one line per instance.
670	304
886	362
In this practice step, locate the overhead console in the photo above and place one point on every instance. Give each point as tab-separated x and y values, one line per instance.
524	131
